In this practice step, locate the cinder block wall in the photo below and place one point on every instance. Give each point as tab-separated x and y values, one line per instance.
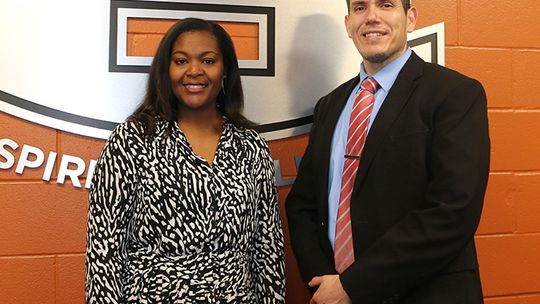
497	42
42	225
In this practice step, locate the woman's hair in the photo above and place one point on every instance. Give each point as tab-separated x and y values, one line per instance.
160	100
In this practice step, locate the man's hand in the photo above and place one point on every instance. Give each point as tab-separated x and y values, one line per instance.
330	290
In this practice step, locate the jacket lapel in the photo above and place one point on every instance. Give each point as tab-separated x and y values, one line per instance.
397	98
327	125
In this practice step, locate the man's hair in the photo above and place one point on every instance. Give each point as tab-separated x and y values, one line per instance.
406	5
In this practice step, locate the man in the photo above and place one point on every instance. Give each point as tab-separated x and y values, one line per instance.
389	217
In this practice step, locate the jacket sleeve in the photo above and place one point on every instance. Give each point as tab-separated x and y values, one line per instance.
420	245
109	212
268	261
303	216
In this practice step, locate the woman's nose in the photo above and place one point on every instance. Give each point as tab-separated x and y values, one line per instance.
194	69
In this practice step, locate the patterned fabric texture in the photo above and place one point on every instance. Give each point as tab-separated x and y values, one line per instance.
165	227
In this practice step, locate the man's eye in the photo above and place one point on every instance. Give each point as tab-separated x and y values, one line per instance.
359	8
387	5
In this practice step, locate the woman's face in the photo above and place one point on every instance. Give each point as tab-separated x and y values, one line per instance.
196	70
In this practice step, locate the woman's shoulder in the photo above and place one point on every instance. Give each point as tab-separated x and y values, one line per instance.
137	130
127	130
251	137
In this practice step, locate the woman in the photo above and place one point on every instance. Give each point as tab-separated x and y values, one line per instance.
183	205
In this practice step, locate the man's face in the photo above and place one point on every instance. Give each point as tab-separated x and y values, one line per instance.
379	29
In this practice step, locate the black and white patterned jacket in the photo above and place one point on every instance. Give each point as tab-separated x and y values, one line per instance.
165	227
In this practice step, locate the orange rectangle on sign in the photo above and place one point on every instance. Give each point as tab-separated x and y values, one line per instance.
144	35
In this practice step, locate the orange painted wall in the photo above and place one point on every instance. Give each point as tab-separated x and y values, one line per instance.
42	224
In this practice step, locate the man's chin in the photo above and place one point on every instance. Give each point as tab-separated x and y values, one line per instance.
376	58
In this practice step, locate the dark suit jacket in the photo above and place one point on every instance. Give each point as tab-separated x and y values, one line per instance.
417	197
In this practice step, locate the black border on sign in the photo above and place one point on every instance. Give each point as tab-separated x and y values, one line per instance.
432	39
109	125
198	7
56	114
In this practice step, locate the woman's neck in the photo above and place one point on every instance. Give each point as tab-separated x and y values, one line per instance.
203	121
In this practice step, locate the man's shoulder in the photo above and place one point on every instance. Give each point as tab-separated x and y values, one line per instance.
439	82
445	76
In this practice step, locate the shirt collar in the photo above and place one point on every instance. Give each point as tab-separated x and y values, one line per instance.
388	74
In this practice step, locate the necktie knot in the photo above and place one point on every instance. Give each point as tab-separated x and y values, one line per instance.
370	84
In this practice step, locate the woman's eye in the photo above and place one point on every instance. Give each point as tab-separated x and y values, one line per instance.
180	61
209	61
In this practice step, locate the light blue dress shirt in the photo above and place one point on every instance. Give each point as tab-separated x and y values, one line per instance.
386	78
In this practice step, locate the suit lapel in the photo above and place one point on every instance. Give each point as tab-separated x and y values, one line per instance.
397	98
328	125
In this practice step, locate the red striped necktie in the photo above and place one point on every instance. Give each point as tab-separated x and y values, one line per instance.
356	138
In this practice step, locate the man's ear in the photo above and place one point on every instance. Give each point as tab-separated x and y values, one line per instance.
412	15
347	26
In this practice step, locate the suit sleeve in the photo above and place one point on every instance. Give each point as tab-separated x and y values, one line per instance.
303	214
416	248
108	215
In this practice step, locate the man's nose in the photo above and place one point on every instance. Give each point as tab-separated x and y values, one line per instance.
372	13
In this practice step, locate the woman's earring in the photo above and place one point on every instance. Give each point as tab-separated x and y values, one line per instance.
223	85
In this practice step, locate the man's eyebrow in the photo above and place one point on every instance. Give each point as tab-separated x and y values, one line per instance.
358	2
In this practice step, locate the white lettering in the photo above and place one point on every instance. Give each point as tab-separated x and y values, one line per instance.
25	162
10	159
72	173
280	181
49	167
90	174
